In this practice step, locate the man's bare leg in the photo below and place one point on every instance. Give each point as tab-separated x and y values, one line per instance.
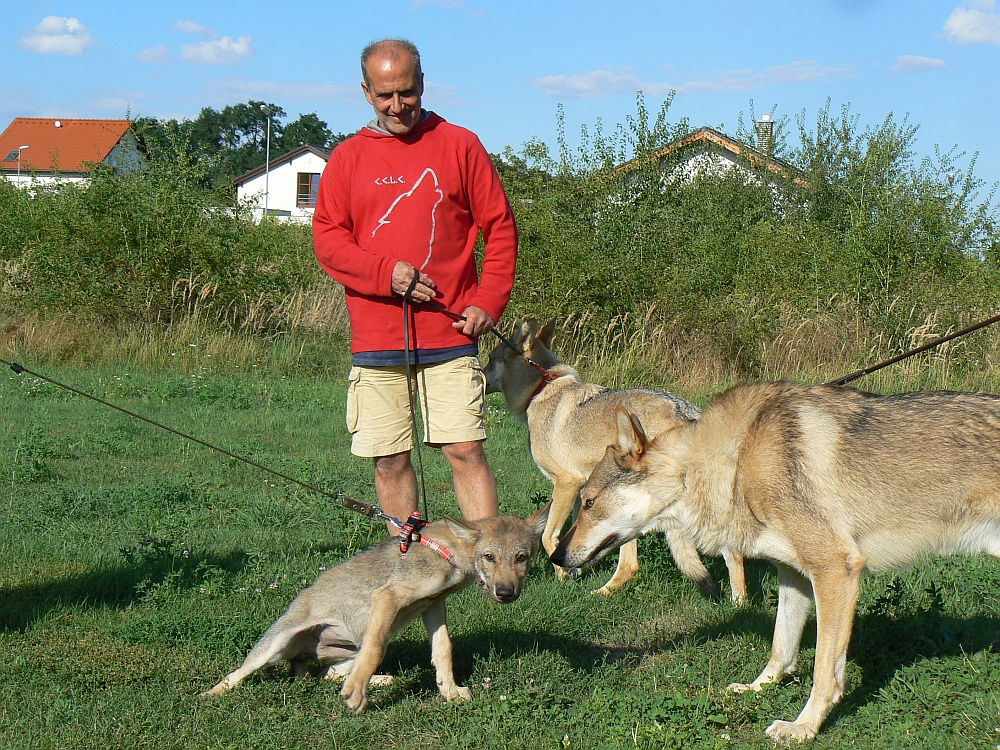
475	487
396	486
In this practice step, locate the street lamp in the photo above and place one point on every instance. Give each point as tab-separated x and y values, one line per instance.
19	150
267	156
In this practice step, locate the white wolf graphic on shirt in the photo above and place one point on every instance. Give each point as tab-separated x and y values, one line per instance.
440	197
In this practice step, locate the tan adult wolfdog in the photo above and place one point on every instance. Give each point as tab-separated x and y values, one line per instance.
570	425
826	482
348	615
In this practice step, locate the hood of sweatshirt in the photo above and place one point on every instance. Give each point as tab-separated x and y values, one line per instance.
428	120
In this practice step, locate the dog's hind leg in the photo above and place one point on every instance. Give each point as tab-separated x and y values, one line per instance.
628	566
435	620
564	494
737	577
385	607
794	603
283	640
836	584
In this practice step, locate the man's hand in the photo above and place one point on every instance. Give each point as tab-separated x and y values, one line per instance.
402	275
477	322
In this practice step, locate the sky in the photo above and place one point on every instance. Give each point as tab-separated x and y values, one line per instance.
501	68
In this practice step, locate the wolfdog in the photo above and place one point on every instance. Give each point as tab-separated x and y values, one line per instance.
348	615
826	482
570	424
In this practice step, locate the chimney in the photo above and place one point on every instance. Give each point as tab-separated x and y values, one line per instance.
765	135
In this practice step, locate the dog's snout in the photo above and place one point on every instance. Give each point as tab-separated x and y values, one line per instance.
558	556
505	592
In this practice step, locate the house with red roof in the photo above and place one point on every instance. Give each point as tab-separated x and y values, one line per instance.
40	150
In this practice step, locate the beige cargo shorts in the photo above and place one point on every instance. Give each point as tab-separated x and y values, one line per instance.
451	396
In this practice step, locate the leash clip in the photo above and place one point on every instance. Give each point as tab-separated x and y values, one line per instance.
410	532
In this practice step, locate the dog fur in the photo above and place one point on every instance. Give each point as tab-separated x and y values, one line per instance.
826	482
348	615
570	424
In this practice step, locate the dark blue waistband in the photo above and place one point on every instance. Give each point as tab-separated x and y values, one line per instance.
395	358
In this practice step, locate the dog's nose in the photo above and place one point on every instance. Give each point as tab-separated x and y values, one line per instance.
558	556
505	593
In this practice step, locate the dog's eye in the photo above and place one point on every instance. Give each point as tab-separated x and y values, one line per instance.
521	557
588	503
488	557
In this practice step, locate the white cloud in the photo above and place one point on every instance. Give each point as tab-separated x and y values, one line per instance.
916	63
592	85
224	51
599	83
230	89
190	27
58	35
157	54
975	22
18	101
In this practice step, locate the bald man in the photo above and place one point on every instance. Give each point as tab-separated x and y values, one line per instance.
409	195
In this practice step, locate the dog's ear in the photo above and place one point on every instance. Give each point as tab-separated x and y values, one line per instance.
537	520
546	333
464	530
526	335
631	441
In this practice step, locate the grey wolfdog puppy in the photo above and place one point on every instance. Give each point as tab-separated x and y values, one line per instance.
570	425
826	482
348	615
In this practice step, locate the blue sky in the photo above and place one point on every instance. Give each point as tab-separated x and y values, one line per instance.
500	68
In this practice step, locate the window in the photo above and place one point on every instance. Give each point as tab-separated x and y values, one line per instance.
308	187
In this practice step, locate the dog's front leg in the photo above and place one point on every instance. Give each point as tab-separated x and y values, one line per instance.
794	601
385	607
737	577
435	620
564	494
836	586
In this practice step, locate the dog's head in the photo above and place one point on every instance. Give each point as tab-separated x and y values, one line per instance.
503	548
507	373
619	501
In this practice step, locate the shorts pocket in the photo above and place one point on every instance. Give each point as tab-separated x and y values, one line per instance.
477	388
353	399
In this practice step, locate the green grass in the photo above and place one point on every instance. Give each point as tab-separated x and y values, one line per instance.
137	569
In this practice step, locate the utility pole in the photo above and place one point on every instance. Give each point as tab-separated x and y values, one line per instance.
267	157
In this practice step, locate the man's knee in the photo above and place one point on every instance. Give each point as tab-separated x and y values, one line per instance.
394	465
469	453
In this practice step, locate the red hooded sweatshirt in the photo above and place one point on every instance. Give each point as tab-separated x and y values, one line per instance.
422	197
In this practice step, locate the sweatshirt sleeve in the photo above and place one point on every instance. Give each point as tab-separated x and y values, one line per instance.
333	235
492	214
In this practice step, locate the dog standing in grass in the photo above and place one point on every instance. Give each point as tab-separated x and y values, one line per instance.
570	425
348	615
826	482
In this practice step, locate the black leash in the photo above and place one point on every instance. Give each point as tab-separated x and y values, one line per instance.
407	299
937	342
365	509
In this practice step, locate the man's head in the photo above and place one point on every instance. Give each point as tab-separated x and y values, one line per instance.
393	83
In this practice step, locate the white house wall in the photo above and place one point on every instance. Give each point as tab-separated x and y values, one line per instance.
283	185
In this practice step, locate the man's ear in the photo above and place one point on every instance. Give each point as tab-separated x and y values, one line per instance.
537	520
547	331
631	440
465	531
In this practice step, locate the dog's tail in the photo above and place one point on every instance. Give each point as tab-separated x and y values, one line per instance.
689	562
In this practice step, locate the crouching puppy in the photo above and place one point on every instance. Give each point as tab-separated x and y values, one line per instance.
346	618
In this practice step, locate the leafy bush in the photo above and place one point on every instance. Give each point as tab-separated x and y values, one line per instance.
145	245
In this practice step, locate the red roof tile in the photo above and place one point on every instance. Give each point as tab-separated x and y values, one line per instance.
67	147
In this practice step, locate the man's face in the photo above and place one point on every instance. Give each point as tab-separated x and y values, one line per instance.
394	89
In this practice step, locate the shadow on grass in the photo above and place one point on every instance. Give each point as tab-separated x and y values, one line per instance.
117	586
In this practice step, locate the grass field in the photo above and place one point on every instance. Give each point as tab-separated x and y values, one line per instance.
137	569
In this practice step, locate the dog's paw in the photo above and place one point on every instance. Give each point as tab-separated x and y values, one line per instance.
566	574
742	687
355	694
783	732
455	693
222	687
381	680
